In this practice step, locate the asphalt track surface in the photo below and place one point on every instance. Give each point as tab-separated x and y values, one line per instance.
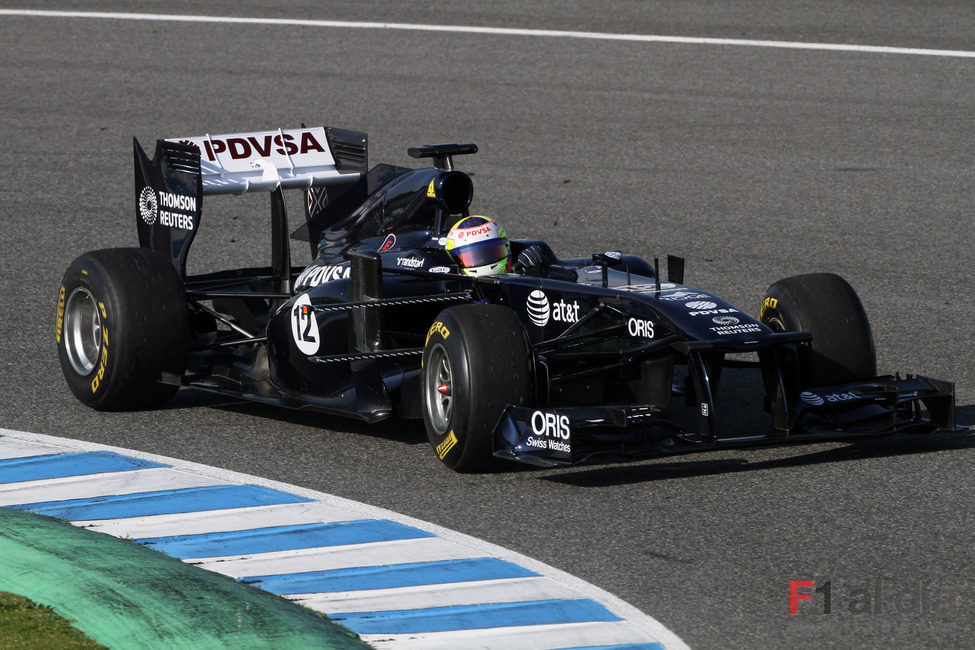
755	163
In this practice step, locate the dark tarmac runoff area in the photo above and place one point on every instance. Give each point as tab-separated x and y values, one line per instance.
758	156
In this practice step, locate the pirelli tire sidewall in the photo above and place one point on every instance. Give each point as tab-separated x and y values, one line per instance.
825	305
144	328
490	365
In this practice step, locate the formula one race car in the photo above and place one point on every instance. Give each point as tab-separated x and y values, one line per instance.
552	361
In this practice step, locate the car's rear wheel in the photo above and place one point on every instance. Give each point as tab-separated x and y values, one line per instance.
825	305
476	361
122	323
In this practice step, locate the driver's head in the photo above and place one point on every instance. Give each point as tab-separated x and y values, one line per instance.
479	245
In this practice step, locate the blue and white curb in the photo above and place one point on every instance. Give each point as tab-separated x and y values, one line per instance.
396	581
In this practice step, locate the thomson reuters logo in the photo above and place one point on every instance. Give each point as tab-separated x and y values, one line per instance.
538	307
148	207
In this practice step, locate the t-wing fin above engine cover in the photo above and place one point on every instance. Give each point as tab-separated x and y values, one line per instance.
442	153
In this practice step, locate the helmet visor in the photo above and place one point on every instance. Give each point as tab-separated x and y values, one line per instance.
481	253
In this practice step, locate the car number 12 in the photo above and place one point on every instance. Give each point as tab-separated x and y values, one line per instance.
304	326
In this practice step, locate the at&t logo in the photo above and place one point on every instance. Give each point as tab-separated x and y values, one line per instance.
538	308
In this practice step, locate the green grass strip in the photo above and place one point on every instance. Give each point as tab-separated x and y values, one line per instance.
122	594
30	626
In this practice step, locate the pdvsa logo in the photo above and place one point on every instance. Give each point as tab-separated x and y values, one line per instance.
260	144
464	234
707	308
314	276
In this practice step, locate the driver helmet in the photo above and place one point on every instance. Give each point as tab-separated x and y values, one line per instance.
479	245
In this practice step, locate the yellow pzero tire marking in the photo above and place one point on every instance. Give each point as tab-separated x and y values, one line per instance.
96	382
448	443
60	312
440	328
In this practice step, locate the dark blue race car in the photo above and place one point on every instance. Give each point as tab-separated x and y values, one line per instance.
551	361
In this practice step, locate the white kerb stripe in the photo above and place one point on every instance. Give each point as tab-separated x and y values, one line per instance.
220	521
99	485
426	549
511	590
535	637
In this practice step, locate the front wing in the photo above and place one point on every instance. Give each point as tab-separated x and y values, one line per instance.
549	437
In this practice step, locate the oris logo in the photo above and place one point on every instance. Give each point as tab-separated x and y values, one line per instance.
640	328
538	308
148	207
550	425
700	305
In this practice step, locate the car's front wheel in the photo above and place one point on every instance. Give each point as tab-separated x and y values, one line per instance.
825	305
477	359
122	323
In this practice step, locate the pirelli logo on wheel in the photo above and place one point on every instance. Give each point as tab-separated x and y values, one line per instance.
448	443
439	328
103	361
60	320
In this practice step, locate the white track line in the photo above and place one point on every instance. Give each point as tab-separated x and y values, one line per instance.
497	31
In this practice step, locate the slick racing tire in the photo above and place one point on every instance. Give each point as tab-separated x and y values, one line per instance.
476	360
826	306
122	322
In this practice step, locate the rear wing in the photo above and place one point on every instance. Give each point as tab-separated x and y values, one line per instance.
169	188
